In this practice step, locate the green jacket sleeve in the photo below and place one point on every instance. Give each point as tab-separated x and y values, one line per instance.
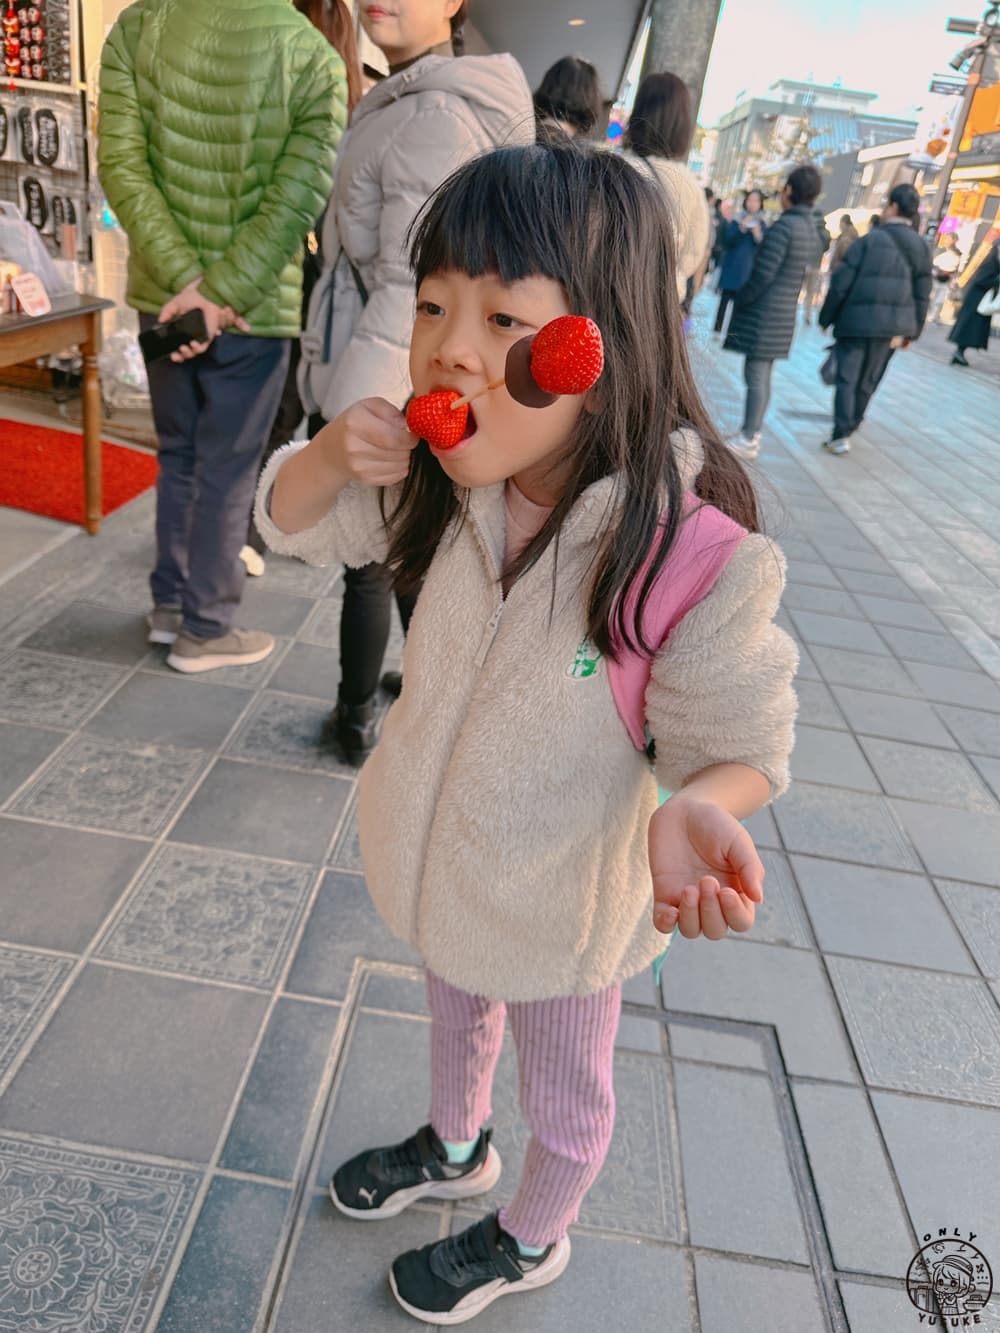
127	178
295	195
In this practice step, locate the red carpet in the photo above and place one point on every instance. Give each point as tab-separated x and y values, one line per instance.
41	470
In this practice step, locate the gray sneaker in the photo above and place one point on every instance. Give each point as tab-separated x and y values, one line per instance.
164	624
240	647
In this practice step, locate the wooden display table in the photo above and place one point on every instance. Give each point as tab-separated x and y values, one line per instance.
72	319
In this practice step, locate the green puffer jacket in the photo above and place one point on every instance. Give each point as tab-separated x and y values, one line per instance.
219	123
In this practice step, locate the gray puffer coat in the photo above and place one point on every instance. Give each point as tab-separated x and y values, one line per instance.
406	136
763	321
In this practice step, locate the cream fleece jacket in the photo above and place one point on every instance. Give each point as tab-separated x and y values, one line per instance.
504	812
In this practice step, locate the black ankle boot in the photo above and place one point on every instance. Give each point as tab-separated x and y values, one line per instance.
351	730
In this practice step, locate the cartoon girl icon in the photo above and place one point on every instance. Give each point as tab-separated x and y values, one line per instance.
952	1278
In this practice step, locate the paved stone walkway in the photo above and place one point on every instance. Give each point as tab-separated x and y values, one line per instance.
200	1014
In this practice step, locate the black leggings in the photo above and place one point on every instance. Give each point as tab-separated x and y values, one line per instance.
364	629
365	621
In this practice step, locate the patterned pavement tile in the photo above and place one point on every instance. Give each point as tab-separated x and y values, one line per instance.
924	1032
976	910
85	1238
917	770
284	729
27	983
849	826
211	914
104	784
780	918
52	691
85	630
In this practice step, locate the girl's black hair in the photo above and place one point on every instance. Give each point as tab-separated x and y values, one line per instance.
458	28
662	119
588	220
570	91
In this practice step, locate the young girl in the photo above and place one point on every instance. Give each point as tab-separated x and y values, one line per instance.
509	826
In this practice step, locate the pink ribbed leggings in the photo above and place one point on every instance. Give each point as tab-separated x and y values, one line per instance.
565	1052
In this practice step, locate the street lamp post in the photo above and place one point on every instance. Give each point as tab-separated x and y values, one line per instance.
987	32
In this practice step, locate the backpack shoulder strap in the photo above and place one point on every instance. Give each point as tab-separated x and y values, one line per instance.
704	544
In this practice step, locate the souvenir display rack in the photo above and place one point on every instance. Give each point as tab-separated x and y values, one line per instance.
44	152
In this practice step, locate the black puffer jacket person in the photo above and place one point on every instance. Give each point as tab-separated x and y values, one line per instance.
763	322
882	286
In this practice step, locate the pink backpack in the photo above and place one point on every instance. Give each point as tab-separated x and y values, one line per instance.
704	543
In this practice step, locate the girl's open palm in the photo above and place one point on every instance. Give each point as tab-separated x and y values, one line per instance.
706	871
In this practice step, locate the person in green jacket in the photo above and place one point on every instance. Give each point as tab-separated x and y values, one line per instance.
218	128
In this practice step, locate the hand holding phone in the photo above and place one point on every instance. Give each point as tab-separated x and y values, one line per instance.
165	339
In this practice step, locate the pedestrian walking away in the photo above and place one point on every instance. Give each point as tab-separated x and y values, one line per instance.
877	301
657	142
407	134
763	322
216	198
740	238
509	819
847	236
971	329
945	264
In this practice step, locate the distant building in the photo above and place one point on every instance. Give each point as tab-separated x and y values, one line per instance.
761	136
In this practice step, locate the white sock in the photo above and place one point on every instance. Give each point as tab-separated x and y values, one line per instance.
530	1251
459	1150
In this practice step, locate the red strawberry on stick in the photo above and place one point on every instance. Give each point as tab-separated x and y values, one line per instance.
430	416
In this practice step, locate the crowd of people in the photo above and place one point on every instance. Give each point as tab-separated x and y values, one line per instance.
509	813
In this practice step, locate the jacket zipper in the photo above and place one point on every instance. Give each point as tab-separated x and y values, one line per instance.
493	624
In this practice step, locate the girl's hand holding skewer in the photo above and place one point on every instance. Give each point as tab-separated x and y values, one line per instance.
370	443
707	875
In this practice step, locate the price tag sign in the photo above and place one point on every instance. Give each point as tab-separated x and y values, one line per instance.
31	293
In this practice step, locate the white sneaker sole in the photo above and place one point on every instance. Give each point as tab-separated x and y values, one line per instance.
477	1301
465	1187
192	665
161	636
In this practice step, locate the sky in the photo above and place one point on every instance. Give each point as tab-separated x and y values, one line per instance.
886	46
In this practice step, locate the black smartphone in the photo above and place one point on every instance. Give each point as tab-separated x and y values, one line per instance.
162	339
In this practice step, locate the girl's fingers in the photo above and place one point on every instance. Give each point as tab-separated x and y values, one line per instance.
737	909
713	924
688	916
747	866
664	917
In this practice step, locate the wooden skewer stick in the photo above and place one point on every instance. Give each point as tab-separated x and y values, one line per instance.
494	384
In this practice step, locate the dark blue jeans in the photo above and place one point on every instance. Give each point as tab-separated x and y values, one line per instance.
213	416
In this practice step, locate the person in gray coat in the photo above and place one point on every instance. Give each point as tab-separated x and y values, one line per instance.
406	136
763	322
877	301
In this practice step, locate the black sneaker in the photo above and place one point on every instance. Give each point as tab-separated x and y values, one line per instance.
455	1279
381	1182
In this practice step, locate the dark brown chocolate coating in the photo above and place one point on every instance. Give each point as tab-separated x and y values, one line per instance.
520	383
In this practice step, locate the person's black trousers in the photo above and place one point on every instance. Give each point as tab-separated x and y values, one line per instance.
213	416
365	621
861	363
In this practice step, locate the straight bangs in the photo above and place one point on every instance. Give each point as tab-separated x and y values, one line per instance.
505	214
